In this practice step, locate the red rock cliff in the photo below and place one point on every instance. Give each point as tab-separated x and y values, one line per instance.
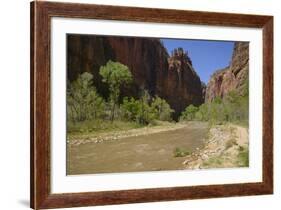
170	77
233	77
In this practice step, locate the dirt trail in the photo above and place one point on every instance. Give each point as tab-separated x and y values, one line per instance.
242	135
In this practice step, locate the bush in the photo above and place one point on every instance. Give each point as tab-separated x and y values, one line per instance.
237	107
161	109
214	162
202	113
189	113
130	109
181	152
144	112
232	108
83	101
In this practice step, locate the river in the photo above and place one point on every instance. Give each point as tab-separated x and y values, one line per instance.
151	152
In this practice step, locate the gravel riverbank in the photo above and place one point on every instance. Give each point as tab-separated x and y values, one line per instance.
116	135
225	147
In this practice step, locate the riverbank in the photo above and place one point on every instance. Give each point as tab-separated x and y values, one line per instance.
99	137
225	147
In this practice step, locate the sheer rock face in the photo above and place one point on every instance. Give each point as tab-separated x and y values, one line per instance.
182	85
170	77
233	77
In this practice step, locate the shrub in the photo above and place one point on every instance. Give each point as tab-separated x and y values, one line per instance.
189	113
83	101
161	109
181	152
130	109
202	113
213	162
233	107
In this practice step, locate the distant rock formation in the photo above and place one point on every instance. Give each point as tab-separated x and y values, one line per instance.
170	77
233	77
182	84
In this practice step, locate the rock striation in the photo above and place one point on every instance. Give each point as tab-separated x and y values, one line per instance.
170	77
233	77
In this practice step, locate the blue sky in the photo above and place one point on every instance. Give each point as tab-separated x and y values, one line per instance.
206	56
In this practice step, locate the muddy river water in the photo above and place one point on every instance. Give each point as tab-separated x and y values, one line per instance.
151	152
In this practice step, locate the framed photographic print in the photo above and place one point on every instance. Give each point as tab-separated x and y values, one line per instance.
140	105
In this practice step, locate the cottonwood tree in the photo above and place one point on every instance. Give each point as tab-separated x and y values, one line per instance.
83	101
115	74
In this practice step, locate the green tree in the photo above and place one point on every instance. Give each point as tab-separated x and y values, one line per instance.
202	113
130	109
115	74
218	111
145	114
189	113
237	106
83	102
234	107
161	109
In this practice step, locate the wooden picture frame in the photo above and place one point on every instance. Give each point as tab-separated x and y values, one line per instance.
41	14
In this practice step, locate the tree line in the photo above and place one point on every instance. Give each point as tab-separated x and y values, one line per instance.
85	104
234	107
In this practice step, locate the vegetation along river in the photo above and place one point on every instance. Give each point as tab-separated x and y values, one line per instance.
148	152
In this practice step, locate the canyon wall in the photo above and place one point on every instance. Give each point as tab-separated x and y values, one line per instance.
170	77
233	77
